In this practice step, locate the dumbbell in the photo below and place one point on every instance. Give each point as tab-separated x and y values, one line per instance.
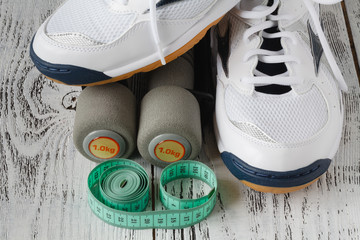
169	125
105	122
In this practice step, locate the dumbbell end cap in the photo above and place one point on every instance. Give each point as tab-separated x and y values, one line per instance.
169	148
101	145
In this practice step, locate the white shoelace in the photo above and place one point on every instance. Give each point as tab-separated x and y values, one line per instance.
154	27
267	56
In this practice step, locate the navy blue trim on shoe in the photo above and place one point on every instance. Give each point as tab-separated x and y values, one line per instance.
68	74
302	176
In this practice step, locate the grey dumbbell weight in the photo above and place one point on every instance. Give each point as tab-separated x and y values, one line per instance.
105	122
170	126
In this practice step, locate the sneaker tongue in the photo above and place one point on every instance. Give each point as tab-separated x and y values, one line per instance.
272	69
294	8
249	5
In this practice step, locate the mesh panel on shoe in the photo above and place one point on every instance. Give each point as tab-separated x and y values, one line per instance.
185	9
285	118
254	131
94	20
74	39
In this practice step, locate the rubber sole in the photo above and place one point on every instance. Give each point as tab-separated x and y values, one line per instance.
271	181
276	190
49	69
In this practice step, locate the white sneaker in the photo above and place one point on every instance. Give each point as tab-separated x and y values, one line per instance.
279	112
101	41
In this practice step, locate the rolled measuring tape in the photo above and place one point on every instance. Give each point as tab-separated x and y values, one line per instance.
119	192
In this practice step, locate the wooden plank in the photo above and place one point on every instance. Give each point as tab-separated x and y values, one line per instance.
43	178
353	14
43	192
336	32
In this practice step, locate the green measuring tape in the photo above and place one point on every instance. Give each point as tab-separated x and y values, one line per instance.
119	191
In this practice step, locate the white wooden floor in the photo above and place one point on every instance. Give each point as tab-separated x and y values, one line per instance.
43	178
